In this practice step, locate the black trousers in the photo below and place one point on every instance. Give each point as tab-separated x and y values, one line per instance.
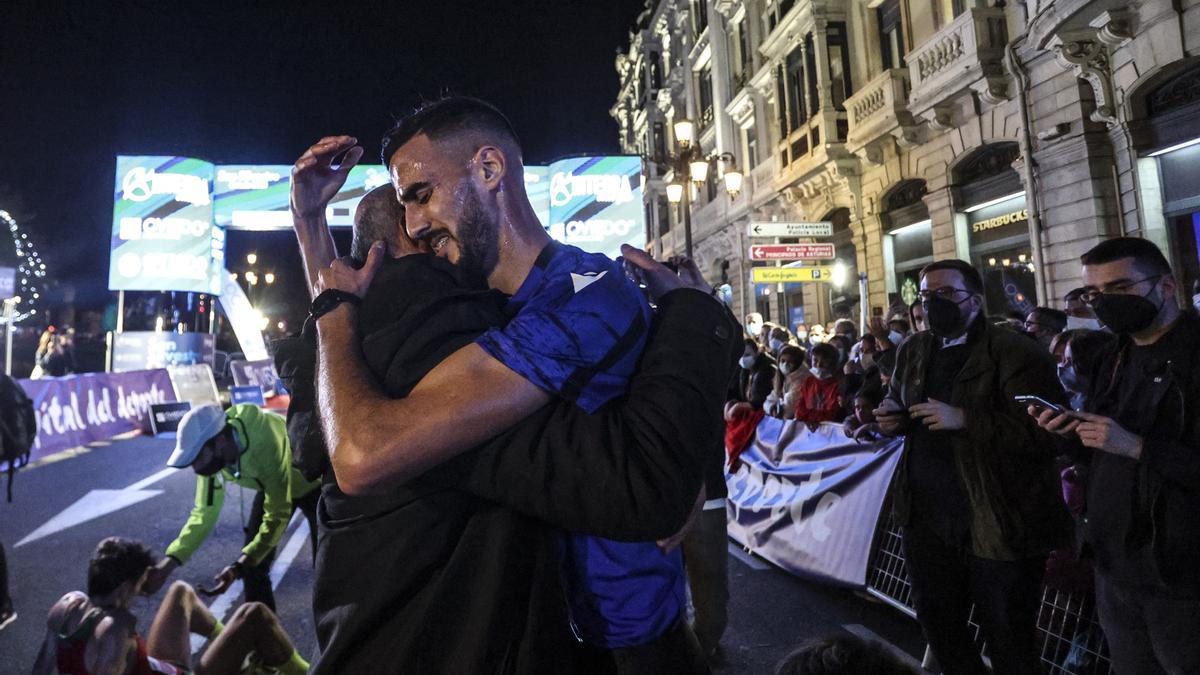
1149	630
946	579
256	579
706	558
676	651
5	599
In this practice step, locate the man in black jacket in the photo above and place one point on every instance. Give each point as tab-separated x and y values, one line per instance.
458	583
1142	432
976	491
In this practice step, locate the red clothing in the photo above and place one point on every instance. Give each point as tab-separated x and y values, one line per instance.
819	401
69	658
738	432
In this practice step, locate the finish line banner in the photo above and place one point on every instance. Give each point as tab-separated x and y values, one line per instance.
79	409
809	501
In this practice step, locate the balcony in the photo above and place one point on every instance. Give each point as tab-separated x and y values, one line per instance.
880	110
965	56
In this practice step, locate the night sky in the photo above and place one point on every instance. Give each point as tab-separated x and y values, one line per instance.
257	82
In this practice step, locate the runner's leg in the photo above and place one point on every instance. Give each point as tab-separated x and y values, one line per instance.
253	628
181	613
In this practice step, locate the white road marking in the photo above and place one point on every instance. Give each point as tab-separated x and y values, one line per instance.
152	479
869	635
749	560
223	605
93	505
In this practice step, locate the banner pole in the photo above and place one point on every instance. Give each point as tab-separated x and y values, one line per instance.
120	311
8	334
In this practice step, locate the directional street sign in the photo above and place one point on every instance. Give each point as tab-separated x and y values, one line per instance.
789	275
792	252
821	229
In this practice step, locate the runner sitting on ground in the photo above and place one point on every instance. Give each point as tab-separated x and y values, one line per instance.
96	633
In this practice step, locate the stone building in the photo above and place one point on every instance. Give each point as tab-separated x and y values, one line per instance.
1011	134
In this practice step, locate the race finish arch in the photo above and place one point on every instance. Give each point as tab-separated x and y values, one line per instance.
171	214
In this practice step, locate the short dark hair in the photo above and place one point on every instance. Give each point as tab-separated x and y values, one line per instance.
823	349
1053	318
966	270
116	561
798	353
378	217
1073	294
445	117
1146	256
904	324
841	655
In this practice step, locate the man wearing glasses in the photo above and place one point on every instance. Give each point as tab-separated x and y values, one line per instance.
976	491
1141	433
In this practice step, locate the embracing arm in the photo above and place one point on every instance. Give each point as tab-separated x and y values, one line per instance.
316	245
376	442
632	470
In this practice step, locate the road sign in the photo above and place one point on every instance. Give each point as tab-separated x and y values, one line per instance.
821	229
789	275
792	252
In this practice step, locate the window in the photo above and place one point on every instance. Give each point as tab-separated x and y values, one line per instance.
745	56
655	71
699	16
839	63
781	101
749	148
891	34
810	63
664	215
704	93
797	110
660	143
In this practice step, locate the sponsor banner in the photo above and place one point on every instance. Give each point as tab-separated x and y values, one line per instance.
142	350
255	196
165	417
596	203
79	409
194	384
809	501
163	237
258	373
247	322
249	393
8	282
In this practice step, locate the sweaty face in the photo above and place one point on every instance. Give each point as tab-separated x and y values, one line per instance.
442	206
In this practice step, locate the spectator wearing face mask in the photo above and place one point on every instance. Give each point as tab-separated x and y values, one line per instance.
1140	434
792	372
1081	353
754	324
1079	314
1043	323
862	355
860	424
843	344
819	393
745	410
916	316
1058	345
777	339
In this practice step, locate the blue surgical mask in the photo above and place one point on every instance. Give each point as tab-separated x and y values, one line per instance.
776	344
1070	379
746	362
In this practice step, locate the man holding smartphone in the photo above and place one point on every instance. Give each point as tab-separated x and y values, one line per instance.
976	492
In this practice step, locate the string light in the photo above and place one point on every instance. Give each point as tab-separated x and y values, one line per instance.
30	270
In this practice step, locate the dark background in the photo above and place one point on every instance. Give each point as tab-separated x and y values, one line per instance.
256	83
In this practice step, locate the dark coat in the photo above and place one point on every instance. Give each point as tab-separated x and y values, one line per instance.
1005	461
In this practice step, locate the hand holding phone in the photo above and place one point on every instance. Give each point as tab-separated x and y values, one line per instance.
1039	402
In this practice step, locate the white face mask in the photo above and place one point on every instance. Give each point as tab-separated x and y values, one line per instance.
1196	301
785	368
896	338
746	362
1078	322
803	335
776	344
753	329
821	373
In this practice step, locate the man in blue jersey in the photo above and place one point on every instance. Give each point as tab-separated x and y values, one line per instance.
576	330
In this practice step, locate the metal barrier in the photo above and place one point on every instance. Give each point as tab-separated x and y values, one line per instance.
1068	628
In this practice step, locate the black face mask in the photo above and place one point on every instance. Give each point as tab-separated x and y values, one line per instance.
1125	314
209	468
944	316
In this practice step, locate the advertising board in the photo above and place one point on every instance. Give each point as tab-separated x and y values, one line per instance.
142	350
596	203
163	237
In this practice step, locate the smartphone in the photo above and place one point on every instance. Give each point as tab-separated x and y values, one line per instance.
1041	403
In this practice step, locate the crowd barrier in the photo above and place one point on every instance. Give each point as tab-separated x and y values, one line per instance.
775	492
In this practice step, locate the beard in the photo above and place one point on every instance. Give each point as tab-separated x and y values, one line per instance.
478	236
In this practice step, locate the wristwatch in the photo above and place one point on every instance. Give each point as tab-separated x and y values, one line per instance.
328	300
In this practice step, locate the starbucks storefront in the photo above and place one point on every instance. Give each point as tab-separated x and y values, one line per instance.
1001	251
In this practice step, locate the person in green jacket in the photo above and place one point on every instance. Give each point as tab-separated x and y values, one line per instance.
247	447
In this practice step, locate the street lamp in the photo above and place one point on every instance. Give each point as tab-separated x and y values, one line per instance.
690	161
251	258
269	277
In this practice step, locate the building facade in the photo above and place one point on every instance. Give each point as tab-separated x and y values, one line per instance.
1014	135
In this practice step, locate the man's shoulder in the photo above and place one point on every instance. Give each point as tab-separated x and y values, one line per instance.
578	279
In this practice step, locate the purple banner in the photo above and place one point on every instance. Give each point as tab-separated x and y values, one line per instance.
79	409
809	501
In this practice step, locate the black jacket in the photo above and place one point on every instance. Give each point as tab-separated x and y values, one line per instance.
1005	462
1149	511
478	591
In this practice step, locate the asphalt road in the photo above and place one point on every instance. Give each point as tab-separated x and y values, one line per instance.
771	611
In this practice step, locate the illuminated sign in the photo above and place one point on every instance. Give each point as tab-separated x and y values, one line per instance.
772	275
793	252
818	229
1000	221
163	237
596	203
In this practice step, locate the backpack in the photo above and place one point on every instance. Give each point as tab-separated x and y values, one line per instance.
18	427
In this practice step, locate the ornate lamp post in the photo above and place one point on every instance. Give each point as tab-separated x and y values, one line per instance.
690	161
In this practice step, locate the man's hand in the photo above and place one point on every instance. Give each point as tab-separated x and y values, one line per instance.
890	417
673	542
315	178
224	580
939	416
658	278
157	575
1103	433
342	276
1063	424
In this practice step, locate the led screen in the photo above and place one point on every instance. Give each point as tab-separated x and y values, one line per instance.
163	237
596	203
255	197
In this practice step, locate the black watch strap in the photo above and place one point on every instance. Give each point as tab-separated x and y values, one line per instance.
329	299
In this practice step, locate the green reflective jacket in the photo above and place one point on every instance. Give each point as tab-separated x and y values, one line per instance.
265	465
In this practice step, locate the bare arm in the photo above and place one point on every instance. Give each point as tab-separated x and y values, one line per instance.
375	442
317	249
315	181
114	647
